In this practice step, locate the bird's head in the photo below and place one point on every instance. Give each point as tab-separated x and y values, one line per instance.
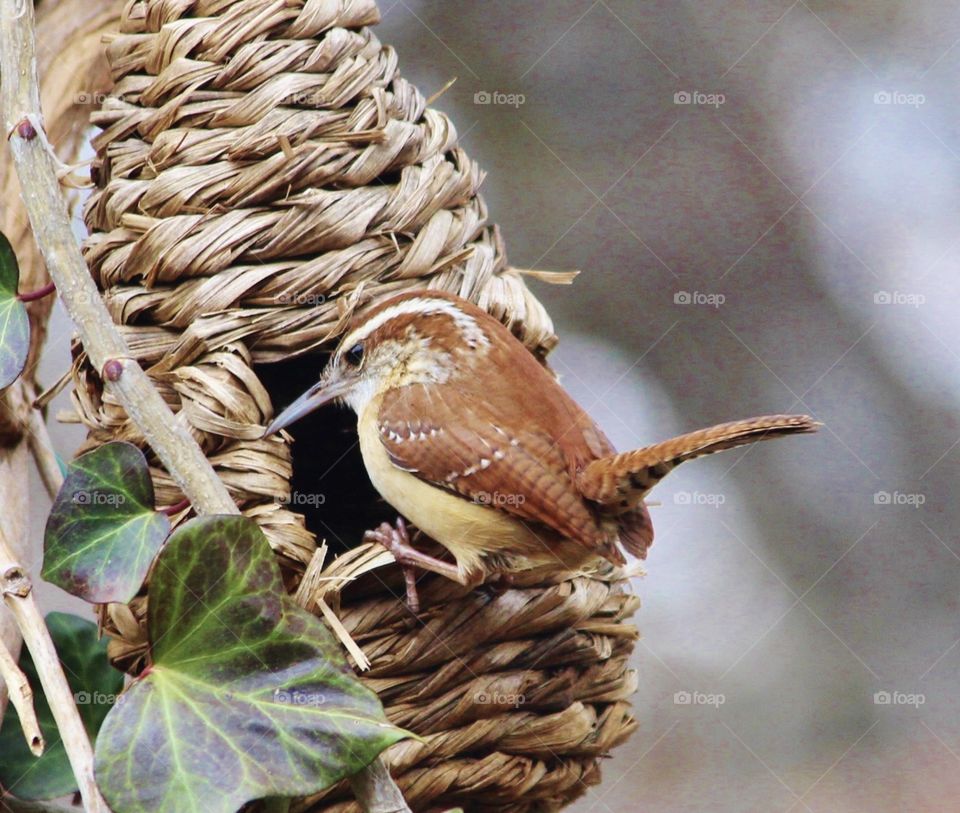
414	338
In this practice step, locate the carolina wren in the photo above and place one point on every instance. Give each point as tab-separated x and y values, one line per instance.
472	439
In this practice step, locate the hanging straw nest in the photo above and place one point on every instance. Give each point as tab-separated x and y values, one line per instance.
263	175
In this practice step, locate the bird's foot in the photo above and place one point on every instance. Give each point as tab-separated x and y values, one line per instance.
396	540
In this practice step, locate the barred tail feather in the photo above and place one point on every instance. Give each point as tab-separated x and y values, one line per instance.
624	478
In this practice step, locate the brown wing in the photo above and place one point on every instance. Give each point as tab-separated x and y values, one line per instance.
453	438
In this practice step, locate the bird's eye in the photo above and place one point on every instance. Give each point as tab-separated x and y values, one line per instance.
354	355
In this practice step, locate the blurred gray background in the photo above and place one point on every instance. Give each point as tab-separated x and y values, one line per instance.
763	199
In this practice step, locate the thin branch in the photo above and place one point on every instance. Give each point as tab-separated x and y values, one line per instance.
40	293
15	409
41	447
176	508
21	695
17	592
166	433
37	167
11	804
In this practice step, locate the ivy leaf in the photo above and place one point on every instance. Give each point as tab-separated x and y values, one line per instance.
95	685
247	695
103	534
14	324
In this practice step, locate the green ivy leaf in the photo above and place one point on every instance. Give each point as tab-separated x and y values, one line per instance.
103	533
14	324
247	695
95	685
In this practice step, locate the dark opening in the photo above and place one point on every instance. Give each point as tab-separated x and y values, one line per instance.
330	487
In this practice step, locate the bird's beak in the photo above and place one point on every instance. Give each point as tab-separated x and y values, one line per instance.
323	392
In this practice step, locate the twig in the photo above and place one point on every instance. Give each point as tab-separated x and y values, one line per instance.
126	381
21	695
11	804
167	435
17	592
41	447
40	293
15	409
176	508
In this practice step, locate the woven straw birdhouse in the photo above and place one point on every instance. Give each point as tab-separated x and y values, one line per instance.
263	174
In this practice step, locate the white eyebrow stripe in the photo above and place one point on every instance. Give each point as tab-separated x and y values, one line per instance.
424	306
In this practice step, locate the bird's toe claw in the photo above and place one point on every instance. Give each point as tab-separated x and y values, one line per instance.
397	541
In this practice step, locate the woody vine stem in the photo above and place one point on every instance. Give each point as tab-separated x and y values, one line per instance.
166	434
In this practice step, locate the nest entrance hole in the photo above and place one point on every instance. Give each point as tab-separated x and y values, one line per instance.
330	486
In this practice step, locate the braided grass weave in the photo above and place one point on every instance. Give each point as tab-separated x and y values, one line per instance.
264	173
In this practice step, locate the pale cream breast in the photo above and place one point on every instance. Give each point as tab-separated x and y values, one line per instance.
467	529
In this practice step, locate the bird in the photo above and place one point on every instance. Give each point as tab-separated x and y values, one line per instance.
472	439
